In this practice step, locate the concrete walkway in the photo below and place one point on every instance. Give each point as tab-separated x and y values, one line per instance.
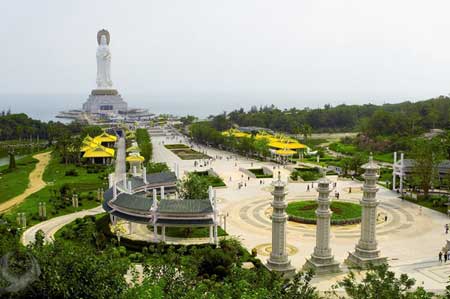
35	184
51	226
120	168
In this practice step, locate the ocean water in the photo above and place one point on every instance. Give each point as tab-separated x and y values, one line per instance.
46	107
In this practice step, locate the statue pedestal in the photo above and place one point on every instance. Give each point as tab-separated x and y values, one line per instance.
363	258
282	266
322	265
105	101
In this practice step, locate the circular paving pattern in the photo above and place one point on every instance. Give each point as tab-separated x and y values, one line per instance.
353	189
266	248
258	213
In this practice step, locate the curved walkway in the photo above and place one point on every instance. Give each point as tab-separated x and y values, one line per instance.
36	182
51	226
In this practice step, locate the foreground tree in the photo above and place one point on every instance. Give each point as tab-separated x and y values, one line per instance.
379	282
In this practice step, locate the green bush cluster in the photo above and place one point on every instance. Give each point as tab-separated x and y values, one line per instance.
259	173
307	174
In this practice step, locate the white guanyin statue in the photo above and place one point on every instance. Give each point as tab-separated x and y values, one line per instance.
103	61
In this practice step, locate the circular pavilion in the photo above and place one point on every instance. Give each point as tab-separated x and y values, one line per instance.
151	200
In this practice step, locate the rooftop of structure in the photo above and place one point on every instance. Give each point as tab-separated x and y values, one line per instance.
208	221
160	178
185	206
133	202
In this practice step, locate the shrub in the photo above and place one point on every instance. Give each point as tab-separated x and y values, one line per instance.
71	172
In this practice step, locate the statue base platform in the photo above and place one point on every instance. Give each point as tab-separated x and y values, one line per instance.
362	258
104	92
322	265
285	268
105	101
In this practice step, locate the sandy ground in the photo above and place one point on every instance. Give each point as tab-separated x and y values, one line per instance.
36	182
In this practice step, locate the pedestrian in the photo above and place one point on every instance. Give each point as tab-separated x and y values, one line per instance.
385	218
312	185
446	228
260	182
307	188
445	257
245	184
338	195
440	256
349	189
448	255
249	178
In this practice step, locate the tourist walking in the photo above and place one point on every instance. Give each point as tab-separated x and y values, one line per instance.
445	257
307	188
440	256
446	228
448	255
349	189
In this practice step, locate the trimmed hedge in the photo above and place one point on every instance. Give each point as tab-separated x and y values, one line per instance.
259	173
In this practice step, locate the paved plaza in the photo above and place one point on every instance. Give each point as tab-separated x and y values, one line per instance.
411	238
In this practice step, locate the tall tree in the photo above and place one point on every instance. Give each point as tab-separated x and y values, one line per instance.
427	154
194	186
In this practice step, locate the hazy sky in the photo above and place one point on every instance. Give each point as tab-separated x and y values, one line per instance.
352	51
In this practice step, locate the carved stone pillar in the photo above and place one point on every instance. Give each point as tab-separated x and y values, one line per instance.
322	261
279	260
366	251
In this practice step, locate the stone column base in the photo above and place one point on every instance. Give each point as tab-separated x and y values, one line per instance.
363	258
285	268
322	265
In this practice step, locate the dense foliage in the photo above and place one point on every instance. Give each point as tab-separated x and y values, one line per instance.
194	186
20	126
145	144
373	120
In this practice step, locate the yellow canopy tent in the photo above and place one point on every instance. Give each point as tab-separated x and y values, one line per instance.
99	152
285	152
105	137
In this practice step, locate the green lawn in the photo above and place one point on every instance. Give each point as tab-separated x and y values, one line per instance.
85	184
350	149
346	149
13	183
435	202
306	210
